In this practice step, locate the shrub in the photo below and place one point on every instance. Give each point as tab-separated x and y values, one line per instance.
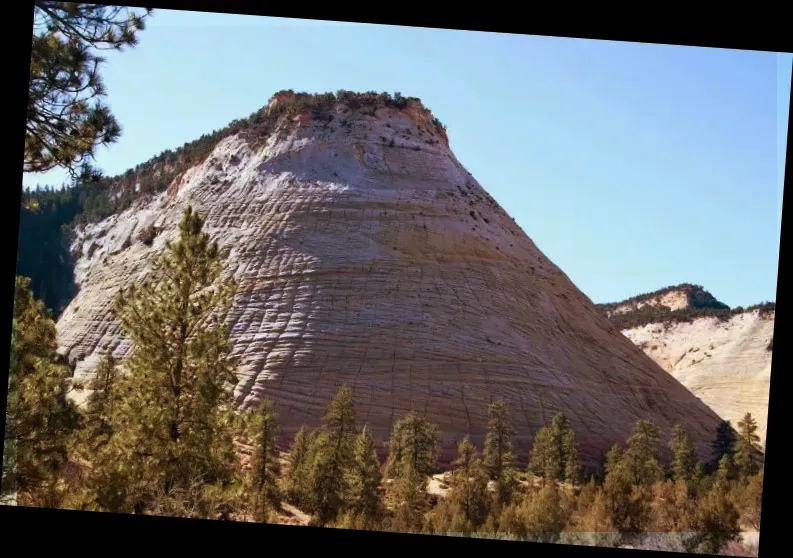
147	235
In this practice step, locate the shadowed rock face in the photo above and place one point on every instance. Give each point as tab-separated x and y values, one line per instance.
367	255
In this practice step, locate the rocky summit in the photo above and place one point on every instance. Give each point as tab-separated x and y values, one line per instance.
366	254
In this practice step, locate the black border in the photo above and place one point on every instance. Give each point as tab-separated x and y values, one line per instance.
80	531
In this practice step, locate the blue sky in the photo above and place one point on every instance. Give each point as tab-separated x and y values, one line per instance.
631	166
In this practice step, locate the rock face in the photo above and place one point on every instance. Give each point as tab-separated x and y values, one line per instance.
367	255
725	362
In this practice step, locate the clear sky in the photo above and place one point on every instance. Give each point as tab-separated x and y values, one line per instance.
631	166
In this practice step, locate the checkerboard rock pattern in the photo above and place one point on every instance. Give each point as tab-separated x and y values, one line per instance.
367	255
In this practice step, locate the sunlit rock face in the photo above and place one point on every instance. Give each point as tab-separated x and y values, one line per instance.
727	364
367	255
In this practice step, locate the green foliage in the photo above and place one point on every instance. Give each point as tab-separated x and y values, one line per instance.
715	521
723	443
701	304
684	457
544	515
38	417
300	459
262	429
499	454
8	483
640	458
172	449
413	451
66	121
365	477
466	506
554	454
101	402
414	445
333	458
748	454
630	474
750	501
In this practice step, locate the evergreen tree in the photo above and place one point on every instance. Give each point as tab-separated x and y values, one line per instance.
751	501
300	459
723	442
569	447
726	470
544	460
101	402
8	486
747	447
334	458
499	454
554	454
414	445
716	519
39	418
468	498
66	122
365	480
174	423
413	451
265	466
684	457
409	497
640	459
626	501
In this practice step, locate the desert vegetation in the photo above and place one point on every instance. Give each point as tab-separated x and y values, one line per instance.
160	435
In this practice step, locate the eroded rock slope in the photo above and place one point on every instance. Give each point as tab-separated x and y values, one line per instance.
366	254
724	358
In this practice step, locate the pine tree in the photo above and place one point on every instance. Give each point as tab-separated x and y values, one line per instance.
39	418
66	122
300	459
409	496
569	446
723	442
265	466
101	402
684	458
545	460
8	485
554	454
716	519
468	497
726	470
365	480
747	447
174	422
640	456
626	501
413	451
499	454
414	445
333	458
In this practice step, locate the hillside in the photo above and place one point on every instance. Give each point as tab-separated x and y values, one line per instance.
722	355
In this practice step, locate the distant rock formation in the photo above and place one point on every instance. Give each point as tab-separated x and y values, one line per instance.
722	355
367	255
